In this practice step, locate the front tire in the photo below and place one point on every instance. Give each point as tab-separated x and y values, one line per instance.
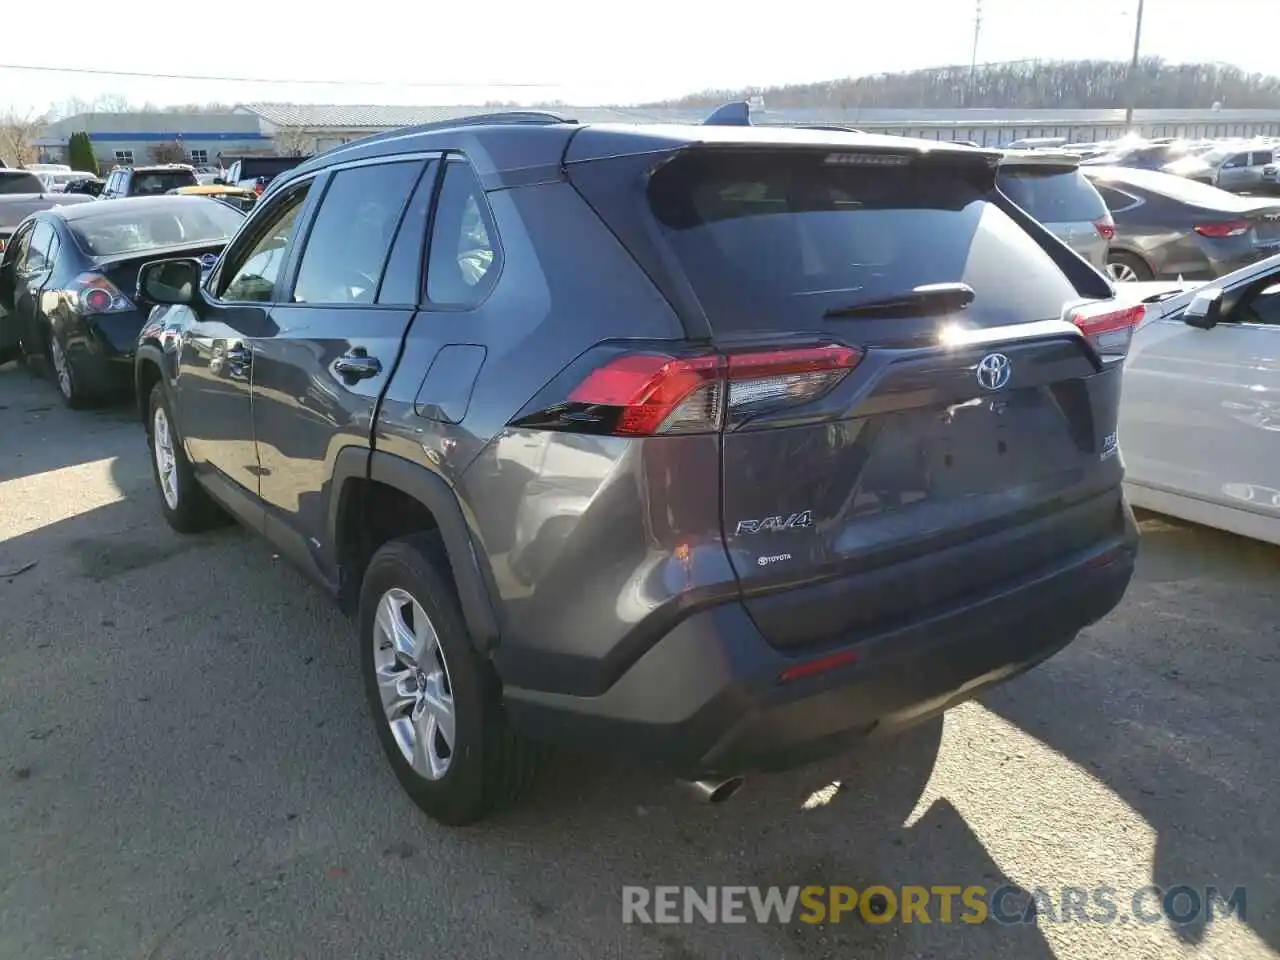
186	506
436	702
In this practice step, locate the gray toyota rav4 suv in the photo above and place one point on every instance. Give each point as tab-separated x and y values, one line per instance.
713	446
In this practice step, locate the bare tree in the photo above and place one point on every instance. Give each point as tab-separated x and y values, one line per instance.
112	103
170	152
18	131
293	142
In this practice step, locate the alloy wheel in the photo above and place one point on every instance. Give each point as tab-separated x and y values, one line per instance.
413	680
166	460
60	367
1121	272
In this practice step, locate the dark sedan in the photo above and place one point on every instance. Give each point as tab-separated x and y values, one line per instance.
1169	227
68	281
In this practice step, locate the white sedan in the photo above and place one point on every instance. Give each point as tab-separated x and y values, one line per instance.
1200	414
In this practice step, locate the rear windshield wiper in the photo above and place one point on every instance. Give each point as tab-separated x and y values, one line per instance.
924	301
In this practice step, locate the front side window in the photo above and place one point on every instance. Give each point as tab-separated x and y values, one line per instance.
464	259
348	242
253	277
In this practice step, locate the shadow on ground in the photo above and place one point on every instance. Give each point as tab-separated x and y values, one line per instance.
191	772
1176	713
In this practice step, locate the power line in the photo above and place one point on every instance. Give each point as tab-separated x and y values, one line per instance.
309	82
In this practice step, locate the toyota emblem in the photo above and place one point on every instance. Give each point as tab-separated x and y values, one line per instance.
994	371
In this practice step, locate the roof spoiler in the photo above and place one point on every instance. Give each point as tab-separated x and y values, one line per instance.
736	114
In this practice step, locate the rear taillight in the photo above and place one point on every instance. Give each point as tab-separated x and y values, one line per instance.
1106	227
1107	328
645	394
95	294
1219	231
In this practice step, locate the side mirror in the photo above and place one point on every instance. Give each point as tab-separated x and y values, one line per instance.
169	281
1205	309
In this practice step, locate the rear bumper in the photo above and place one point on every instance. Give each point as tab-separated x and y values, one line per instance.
707	699
102	350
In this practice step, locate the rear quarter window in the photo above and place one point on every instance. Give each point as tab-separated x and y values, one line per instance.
773	240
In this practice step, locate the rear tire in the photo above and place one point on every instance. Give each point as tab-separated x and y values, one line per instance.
187	506
436	702
62	371
1125	267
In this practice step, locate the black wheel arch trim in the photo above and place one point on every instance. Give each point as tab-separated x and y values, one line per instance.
146	353
472	579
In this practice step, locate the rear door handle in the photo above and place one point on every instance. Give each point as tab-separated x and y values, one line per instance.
357	365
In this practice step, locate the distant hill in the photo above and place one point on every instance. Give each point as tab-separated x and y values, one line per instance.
1069	85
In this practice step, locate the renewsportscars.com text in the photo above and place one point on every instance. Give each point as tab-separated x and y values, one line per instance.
1180	905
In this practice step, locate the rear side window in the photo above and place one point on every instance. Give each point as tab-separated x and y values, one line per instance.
402	280
1052	195
774	240
349	240
1116	200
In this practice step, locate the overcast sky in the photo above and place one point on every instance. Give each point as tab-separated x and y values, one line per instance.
409	52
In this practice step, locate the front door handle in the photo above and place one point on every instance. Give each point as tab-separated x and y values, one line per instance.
357	365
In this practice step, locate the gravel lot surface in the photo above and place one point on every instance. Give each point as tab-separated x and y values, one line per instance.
187	768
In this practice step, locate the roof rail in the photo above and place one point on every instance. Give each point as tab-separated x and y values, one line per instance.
736	114
837	128
534	117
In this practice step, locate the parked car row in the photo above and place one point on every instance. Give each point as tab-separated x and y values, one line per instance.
1237	165
822	423
68	279
1141	225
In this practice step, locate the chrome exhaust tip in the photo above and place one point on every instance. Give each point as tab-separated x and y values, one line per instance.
715	791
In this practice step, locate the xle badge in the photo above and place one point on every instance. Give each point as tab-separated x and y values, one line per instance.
796	521
1110	445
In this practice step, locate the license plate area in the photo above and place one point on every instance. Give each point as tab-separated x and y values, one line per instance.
974	448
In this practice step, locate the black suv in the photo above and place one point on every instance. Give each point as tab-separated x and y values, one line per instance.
715	446
154	181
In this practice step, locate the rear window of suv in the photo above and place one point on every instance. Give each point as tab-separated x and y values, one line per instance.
775	239
1052	195
20	181
155	183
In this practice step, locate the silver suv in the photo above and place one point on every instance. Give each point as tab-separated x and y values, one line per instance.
1050	187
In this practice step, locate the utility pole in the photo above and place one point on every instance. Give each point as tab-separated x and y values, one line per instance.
1133	70
973	60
